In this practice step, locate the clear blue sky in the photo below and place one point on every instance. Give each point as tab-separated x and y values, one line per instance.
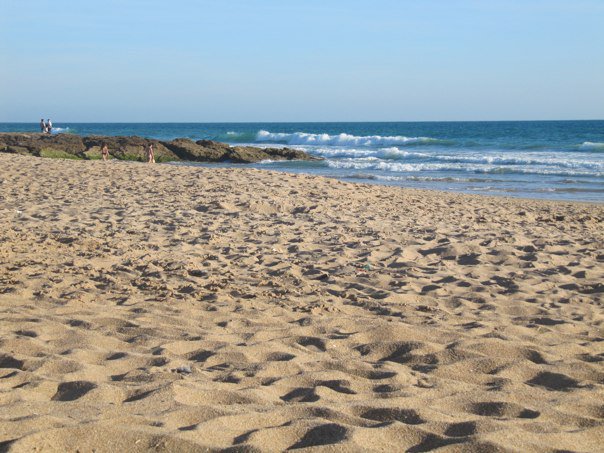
301	60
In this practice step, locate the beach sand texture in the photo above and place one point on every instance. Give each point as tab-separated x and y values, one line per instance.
174	308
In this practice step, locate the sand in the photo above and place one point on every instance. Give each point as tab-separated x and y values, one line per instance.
172	308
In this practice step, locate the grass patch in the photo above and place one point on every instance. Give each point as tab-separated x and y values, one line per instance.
93	154
161	159
56	154
129	156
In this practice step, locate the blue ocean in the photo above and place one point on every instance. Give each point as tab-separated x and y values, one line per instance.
561	160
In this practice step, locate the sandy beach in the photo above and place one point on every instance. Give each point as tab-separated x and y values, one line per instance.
177	308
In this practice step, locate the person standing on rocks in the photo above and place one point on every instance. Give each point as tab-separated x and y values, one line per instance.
48	126
150	154
42	126
104	151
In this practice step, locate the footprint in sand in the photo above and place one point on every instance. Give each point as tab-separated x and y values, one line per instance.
71	391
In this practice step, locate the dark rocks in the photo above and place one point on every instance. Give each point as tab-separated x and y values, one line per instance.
187	149
126	148
133	148
209	151
41	144
245	154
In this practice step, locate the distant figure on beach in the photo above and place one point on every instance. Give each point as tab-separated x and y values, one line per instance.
150	154
42	126
48	126
104	151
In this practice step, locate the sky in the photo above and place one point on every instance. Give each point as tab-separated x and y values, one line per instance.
301	60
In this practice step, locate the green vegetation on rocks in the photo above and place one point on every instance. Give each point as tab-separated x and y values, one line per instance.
57	154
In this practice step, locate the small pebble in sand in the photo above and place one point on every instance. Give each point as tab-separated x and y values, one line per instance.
184	369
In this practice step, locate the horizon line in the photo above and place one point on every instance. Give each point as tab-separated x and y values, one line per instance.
305	122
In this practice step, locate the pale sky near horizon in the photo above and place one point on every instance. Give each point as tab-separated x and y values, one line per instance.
300	60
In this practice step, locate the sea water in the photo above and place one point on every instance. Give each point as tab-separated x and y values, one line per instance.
562	160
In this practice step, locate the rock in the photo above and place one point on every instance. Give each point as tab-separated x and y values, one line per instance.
184	369
133	148
246	154
16	150
187	149
128	148
35	143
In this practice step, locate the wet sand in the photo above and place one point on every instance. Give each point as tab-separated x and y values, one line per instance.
172	308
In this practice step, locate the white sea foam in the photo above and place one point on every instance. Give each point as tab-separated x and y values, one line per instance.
383	153
396	156
396	153
303	138
524	160
402	167
340	152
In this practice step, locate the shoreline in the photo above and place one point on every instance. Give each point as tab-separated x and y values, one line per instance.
197	308
353	181
430	159
249	165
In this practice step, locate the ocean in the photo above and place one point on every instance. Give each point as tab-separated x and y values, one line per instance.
560	160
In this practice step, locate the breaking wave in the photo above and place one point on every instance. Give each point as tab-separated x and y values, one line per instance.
303	138
592	146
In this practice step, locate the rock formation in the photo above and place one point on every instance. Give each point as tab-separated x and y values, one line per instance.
72	146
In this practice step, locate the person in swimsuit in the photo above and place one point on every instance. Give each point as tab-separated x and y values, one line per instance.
150	154
48	126
42	126
104	151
